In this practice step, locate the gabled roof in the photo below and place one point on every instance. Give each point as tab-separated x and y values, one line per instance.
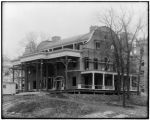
50	44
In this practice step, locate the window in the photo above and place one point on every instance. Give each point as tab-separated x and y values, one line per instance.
134	82
105	37
50	50
69	46
86	63
142	63
97	44
108	80
95	63
57	48
74	81
106	63
4	86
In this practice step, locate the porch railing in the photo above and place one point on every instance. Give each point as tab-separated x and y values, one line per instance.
99	87
86	86
109	88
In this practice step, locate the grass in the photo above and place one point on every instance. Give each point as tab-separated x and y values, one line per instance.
23	107
67	106
49	108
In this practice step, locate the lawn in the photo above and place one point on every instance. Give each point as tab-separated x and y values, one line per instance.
67	106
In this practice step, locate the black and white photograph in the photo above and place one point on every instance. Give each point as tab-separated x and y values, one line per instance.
74	59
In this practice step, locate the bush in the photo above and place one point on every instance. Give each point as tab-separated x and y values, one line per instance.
139	100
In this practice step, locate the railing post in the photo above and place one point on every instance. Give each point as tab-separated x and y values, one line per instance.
113	82
93	82
103	80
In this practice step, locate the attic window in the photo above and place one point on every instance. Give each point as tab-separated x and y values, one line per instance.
50	50
57	48
69	46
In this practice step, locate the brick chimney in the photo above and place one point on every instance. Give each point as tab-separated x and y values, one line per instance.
92	28
56	38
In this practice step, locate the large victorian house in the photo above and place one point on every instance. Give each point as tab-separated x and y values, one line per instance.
83	62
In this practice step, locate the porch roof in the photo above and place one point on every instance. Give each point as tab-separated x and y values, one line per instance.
41	55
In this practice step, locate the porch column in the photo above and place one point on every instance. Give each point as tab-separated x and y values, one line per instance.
113	82
21	76
13	74
93	82
131	82
66	71
103	80
26	79
47	75
37	80
41	74
73	46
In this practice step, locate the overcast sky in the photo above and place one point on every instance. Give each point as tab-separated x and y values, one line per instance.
54	18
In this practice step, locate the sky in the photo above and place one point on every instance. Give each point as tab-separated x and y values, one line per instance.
64	19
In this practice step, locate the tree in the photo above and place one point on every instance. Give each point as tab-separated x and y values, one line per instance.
123	34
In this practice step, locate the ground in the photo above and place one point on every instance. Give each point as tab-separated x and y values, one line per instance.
45	105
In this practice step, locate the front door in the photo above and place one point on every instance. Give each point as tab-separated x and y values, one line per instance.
50	83
58	85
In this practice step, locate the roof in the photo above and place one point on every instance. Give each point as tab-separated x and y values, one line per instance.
50	44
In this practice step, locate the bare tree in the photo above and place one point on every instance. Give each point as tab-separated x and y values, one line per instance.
123	34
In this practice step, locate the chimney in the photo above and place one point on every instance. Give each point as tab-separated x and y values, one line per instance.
56	38
92	28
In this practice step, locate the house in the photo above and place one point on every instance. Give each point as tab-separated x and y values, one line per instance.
141	49
9	88
83	62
